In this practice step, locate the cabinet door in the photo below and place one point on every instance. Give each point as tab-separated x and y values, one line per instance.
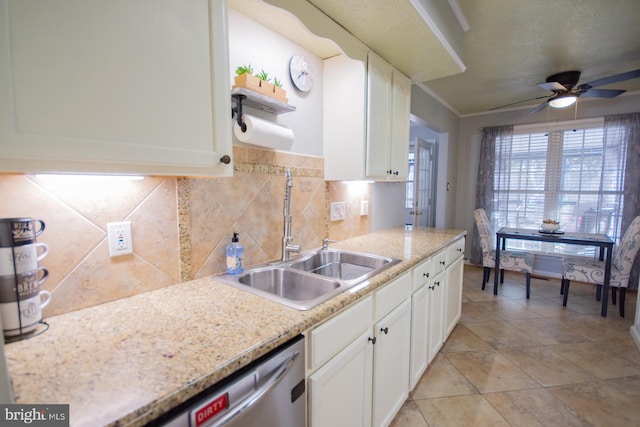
419	334
436	311
140	86
399	150
453	309
391	364
344	118
379	81
340	391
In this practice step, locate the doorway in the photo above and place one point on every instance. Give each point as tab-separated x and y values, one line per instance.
420	186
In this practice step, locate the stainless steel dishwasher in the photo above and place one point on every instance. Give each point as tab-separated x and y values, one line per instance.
269	392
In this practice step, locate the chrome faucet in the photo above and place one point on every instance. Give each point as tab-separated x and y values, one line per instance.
325	243
287	238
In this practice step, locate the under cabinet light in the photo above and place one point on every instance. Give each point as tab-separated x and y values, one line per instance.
92	177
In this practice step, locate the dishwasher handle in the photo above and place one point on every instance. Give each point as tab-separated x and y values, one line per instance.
254	397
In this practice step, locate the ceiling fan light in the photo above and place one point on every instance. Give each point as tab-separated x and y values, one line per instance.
563	101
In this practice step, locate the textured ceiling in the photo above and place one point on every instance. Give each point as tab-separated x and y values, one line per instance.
511	45
395	31
514	44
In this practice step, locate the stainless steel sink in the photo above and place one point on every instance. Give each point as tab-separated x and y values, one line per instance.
288	284
343	265
311	279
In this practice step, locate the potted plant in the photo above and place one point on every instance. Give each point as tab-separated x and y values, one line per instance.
278	91
259	82
245	78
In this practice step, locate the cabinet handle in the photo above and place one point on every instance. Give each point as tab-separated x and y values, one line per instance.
396	173
373	340
442	262
425	274
432	287
437	283
385	330
225	159
459	249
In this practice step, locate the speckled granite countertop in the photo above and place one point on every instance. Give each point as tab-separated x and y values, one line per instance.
127	362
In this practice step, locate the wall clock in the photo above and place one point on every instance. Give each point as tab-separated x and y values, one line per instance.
301	73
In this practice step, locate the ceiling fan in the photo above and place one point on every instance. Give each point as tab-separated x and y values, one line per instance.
566	93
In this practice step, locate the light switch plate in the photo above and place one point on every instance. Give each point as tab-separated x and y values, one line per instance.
338	211
364	207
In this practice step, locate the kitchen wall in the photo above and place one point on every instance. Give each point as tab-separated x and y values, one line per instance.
252	43
181	226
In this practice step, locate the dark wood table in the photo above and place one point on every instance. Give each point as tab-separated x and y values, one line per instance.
584	239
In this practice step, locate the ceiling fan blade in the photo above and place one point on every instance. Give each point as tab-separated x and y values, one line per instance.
611	79
552	86
538	108
520	102
602	93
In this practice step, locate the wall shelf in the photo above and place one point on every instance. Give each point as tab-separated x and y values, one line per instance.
261	102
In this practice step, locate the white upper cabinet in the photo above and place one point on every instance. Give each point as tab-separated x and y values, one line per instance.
140	86
388	106
366	120
344	118
399	141
379	111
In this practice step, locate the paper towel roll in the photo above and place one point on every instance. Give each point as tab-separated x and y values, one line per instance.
264	133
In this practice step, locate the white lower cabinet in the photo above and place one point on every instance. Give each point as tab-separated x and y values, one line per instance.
453	309
436	307
367	381
391	364
340	391
419	334
364	361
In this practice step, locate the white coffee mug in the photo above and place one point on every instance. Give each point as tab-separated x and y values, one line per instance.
29	313
26	258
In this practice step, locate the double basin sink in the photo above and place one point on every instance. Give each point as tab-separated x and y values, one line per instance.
311	279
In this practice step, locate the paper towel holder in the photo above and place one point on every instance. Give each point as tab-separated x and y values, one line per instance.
238	112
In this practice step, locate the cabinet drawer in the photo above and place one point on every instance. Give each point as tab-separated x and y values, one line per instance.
455	250
422	273
391	295
439	261
335	334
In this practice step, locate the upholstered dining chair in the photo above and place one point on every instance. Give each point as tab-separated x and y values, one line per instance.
589	270
509	260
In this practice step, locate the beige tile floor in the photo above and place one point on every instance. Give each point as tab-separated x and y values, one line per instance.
513	362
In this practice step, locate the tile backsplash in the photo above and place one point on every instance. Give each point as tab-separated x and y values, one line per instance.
180	226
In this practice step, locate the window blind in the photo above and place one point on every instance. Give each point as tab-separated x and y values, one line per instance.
574	176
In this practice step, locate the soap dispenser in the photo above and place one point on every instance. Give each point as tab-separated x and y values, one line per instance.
235	253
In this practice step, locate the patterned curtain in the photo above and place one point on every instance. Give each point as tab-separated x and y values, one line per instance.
485	187
627	127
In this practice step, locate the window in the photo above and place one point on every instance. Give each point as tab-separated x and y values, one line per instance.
410	181
574	176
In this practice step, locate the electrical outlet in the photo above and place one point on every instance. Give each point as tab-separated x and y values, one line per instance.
364	207
338	211
119	236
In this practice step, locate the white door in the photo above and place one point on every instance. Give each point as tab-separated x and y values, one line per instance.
419	334
453	309
340	391
391	364
436	313
421	184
